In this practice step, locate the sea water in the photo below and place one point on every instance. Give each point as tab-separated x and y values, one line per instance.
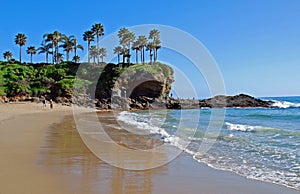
258	143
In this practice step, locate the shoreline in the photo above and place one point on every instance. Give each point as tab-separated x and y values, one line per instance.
57	161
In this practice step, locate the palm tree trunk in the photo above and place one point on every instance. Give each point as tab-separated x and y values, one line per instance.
53	53
136	56
89	51
75	51
46	57
143	55
67	55
57	59
151	56
20	54
98	56
30	58
118	58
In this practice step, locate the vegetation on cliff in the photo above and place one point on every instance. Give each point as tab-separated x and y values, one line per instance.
52	81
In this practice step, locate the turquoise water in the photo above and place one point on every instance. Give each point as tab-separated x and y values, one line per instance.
258	143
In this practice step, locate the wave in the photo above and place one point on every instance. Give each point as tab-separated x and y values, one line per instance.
262	130
143	122
285	104
240	127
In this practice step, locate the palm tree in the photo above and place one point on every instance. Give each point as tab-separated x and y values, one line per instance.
67	45
76	59
21	40
31	51
156	47
7	55
150	48
102	53
98	31
49	38
45	48
76	45
155	35
94	53
55	38
126	38
118	51
89	37
142	43
136	47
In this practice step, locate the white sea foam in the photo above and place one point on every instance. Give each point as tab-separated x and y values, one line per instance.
143	124
240	127
285	104
245	168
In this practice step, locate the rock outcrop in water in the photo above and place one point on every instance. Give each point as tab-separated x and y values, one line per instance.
240	100
142	102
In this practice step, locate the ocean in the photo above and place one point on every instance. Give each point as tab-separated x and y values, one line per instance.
257	143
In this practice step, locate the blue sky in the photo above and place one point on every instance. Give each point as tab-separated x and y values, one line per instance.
255	43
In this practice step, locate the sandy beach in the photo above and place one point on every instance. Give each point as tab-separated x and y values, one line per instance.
42	152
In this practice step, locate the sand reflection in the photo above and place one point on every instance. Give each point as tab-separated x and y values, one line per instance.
64	154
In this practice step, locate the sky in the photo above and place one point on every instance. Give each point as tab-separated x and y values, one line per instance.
256	44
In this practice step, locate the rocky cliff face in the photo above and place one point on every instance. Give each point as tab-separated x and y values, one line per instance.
152	81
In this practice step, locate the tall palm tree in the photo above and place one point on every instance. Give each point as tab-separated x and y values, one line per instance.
31	51
21	40
136	47
7	55
118	51
154	35
126	38
94	53
156	47
89	37
49	38
67	45
142	43
102	53
150	48
55	38
76	45
45	48
98	31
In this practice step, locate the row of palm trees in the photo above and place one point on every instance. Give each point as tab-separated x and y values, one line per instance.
52	42
128	41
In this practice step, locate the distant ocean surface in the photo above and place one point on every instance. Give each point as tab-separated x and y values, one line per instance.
258	143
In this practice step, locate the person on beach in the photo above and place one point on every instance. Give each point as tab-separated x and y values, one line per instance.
51	104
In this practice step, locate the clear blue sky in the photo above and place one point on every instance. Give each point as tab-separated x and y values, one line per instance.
256	43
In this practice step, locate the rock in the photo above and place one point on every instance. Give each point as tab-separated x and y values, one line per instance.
4	99
240	100
119	103
35	99
145	81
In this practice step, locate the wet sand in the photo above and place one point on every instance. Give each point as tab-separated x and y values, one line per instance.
36	158
22	130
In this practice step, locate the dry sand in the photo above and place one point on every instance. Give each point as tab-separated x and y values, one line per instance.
38	159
